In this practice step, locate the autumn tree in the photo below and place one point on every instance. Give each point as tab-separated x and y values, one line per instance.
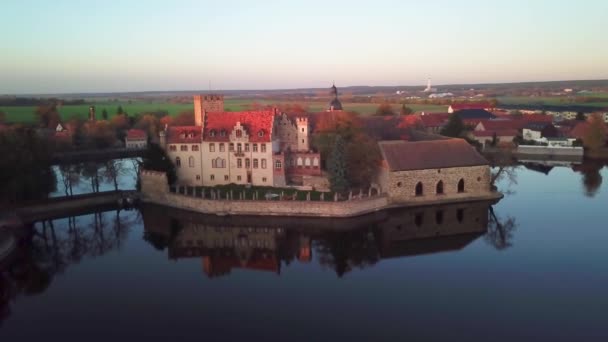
100	134
47	115
149	123
595	136
337	166
184	118
405	110
454	128
384	109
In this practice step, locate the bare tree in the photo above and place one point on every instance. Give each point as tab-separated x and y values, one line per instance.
500	232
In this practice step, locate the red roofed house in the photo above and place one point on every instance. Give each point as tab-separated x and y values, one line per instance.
504	136
472	105
432	170
434	122
136	138
261	147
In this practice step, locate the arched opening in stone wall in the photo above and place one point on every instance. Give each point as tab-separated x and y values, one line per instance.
419	189
439	217
461	185
439	188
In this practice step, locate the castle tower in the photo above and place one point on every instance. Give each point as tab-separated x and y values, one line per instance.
335	104
206	103
303	128
92	113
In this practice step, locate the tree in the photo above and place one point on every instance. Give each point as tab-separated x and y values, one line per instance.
120	111
104	114
595	136
47	115
150	124
156	159
385	109
405	110
337	166
454	128
362	158
184	118
2	117
112	170
100	134
580	116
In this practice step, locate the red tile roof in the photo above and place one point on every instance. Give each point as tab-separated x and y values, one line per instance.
257	124
471	105
136	134
184	134
493	125
430	154
434	119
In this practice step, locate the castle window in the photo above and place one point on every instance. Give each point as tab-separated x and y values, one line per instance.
178	162
315	162
198	177
255	147
195	148
238	178
461	185
277	164
300	161
255	163
246	147
183	148
223	163
223	133
439	217
231	147
212	147
264	179
226	178
172	148
247	163
239	133
191	161
261	133
419	189
212	177
263	163
222	147
239	147
263	148
399	184
419	219
307	162
212	133
239	163
439	188
302	129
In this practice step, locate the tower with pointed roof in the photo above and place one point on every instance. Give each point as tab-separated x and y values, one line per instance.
335	104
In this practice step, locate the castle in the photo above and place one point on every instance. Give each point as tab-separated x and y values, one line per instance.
261	148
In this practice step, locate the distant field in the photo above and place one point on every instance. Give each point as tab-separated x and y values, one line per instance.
552	101
25	114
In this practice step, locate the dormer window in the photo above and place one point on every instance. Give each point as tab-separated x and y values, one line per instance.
223	133
261	133
212	133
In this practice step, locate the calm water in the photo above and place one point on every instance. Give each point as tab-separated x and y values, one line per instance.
538	272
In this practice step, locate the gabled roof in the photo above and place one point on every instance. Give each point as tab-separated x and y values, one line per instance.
434	119
184	135
501	124
136	134
471	105
430	154
257	124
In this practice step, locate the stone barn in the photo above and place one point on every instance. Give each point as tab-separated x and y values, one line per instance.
433	170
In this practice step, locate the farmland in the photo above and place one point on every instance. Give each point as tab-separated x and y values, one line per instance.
25	114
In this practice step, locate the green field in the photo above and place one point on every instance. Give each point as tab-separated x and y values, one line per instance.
25	114
553	101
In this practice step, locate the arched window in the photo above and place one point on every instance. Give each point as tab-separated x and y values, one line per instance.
222	147
419	189
315	162
239	147
247	163
191	161
212	133
223	133
307	162
299	161
439	188
461	185
223	163
261	133
178	162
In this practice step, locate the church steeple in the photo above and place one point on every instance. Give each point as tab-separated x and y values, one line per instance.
335	103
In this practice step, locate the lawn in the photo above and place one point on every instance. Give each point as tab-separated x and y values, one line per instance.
25	114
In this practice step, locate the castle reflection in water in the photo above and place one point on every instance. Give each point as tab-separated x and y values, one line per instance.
264	244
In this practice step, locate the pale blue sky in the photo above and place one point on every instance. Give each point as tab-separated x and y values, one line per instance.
111	45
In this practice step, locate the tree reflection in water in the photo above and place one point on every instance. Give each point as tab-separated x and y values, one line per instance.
47	248
592	178
500	232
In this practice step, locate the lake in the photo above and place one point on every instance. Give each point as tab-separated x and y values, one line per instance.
532	266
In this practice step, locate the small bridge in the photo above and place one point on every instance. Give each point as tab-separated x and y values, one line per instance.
96	155
59	207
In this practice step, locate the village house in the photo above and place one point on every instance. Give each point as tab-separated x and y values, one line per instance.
446	169
136	138
455	107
